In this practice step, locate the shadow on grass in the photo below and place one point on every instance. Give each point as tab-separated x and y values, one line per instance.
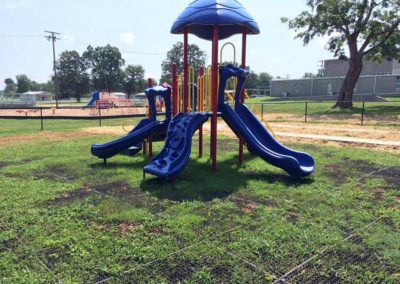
197	182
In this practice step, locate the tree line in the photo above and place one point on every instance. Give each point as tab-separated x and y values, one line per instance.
98	68
103	68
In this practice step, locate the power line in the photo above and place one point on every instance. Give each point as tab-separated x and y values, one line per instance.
20	36
85	44
53	38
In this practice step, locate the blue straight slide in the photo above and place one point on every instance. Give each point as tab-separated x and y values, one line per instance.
132	143
258	139
95	97
176	153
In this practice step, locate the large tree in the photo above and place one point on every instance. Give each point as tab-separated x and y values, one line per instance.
368	28
11	87
134	81
23	83
196	58
105	63
72	75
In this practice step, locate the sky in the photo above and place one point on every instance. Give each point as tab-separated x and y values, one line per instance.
141	30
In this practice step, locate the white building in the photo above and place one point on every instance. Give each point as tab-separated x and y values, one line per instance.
39	96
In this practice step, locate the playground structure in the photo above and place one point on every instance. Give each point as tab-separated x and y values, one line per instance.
194	101
106	100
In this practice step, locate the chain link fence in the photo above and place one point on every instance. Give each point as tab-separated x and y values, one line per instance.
362	113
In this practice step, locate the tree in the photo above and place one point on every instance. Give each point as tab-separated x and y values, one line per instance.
134	81
264	79
34	86
47	87
252	80
72	75
309	75
11	87
23	83
369	28
196	58
105	63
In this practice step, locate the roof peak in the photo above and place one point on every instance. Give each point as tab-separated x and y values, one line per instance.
201	15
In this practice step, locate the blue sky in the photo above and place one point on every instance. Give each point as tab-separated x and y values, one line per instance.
141	30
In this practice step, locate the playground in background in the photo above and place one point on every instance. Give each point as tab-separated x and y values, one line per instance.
107	100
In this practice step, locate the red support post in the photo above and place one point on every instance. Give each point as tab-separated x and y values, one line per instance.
200	107
185	70
244	43
149	139
175	103
214	99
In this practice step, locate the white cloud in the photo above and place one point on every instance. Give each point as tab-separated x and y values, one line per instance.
15	4
127	37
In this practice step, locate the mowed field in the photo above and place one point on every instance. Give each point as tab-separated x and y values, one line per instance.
66	217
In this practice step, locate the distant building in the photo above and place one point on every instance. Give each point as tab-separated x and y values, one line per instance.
376	79
41	96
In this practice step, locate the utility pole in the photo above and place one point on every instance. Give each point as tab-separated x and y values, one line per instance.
52	37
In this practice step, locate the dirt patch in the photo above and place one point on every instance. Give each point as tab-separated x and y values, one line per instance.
334	128
47	136
106	130
3	165
243	201
390	175
69	197
56	173
378	194
134	196
126	228
293	217
337	264
340	172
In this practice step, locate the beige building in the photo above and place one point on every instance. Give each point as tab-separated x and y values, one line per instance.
381	79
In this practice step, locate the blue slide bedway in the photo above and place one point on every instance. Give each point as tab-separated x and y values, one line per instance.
257	138
132	143
176	153
95	97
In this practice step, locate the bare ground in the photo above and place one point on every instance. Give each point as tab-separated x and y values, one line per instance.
346	129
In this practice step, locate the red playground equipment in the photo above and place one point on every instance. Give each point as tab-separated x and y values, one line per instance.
215	26
215	20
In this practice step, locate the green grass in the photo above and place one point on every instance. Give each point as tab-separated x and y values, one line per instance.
14	127
372	109
67	217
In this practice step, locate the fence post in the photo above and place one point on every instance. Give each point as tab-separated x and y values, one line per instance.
362	113
41	119
262	111
100	116
306	113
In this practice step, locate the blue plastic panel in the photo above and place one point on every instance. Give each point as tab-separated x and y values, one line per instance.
202	15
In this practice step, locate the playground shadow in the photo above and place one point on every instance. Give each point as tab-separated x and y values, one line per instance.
198	183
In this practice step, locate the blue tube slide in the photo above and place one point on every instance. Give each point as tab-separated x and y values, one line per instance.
176	153
258	139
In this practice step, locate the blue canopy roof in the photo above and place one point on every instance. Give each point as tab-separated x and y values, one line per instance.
201	15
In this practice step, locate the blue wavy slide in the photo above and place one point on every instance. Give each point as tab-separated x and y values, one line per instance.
176	153
258	139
